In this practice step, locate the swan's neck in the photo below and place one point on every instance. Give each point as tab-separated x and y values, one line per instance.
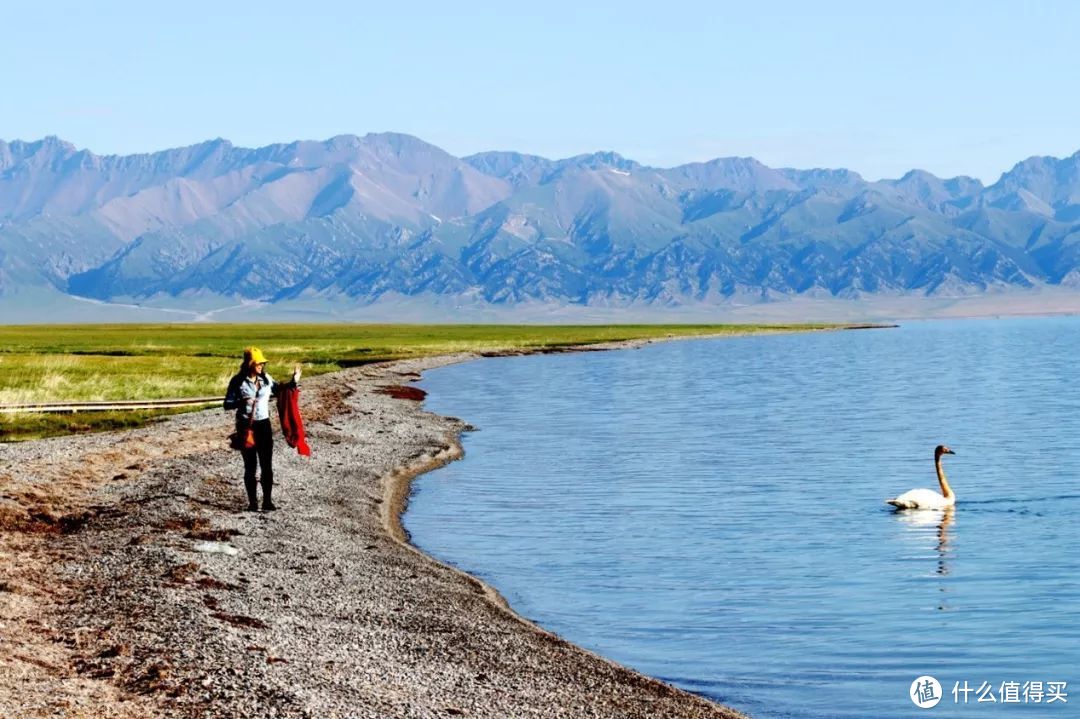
946	490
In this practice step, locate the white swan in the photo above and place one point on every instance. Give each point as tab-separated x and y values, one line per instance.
928	498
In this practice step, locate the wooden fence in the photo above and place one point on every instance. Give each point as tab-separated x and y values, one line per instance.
106	406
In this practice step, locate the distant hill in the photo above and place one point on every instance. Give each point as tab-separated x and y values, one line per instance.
353	221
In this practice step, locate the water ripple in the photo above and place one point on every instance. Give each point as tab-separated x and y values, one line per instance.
712	512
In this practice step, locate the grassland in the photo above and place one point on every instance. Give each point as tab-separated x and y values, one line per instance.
51	363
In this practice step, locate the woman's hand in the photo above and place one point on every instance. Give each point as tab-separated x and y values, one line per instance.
296	374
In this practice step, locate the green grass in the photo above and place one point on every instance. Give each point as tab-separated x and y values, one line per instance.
17	428
51	363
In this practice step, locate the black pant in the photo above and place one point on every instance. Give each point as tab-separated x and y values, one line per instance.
263	454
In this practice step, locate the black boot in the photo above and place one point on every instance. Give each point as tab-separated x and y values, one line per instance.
253	501
250	463
268	490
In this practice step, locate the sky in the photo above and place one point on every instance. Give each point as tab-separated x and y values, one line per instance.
955	88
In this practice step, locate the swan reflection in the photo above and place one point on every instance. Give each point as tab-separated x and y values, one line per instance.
940	521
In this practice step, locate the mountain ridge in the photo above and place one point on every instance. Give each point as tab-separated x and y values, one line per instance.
351	219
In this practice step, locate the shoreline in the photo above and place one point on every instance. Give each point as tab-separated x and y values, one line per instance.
329	609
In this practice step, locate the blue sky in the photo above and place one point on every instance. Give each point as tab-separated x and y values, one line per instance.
951	87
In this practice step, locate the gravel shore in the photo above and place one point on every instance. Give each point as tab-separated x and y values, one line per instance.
134	586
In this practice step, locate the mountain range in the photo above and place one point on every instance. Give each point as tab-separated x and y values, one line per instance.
388	220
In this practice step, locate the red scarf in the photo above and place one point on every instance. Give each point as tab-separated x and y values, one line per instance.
292	424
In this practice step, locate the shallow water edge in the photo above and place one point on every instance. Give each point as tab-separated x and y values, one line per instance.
397	488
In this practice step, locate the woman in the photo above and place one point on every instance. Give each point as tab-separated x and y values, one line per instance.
249	392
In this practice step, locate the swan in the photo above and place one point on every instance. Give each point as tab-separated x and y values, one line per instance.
928	498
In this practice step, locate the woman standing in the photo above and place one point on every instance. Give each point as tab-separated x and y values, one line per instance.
249	394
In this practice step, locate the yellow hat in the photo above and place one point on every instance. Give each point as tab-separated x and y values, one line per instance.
254	355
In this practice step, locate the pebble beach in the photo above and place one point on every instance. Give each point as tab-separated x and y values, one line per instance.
133	585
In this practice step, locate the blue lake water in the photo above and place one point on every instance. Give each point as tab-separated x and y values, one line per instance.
711	512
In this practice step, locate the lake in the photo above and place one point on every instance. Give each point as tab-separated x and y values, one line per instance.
710	512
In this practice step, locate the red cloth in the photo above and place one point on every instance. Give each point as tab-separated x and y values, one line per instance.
292	424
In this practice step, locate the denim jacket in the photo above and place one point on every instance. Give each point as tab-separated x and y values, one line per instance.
242	395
